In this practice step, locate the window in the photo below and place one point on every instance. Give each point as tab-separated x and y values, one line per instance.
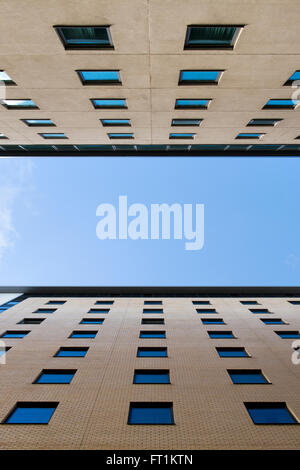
201	302
288	334
148	376
153	310
151	413
19	104
153	321
115	122
220	334
56	302
247	376
109	103
245	135
192	103
31	321
249	302
71	352
232	352
273	321
89	321
152	302
186	122
15	334
120	136
295	76
259	310
270	413
263	122
38	122
206	310
2	136
152	334
99	77
294	302
213	321
39	412
55	376
281	104
181	136
4	77
3	350
85	37
45	310
200	77
152	352
53	135
212	36
83	334
104	302
99	310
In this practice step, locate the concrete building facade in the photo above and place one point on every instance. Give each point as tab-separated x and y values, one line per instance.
210	410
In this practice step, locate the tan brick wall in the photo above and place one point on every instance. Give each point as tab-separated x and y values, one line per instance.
93	409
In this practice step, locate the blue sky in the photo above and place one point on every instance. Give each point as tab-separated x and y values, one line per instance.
48	221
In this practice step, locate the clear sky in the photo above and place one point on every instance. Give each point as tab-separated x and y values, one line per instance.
48	221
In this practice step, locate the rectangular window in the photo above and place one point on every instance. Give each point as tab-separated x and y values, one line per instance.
85	37
55	376
109	103
19	104
152	334
153	321
152	352
288	334
186	122
247	376
56	302
259	310
99	310
31	321
53	135
39	412
273	321
151	376
99	77
295	76
281	104
220	334
247	135
38	122
249	302
192	103
15	334
200	77
213	321
152	302
120	135
83	334
3	350
115	122
90	321
71	352
212	36
270	413
153	310
206	310
263	122
294	302
45	310
181	136
232	352
2	136
104	302
151	413
201	302
4	77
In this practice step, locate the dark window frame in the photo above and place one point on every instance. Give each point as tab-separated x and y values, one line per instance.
38	125
99	82
231	46
200	82
58	29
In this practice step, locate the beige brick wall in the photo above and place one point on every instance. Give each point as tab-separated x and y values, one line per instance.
93	409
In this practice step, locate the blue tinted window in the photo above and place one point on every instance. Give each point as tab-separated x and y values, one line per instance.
199	76
232	352
186	122
4	77
99	76
32	413
39	122
263	122
281	103
115	122
152	334
151	377
270	413
295	76
247	135
3	350
15	103
294	302
220	334
272	321
181	136
85	37
53	135
152	302
56	377
151	413
211	36
288	334
187	103
83	334
98	310
152	352
15	334
109	103
212	321
104	302
247	376
120	135
71	352
96	321
153	310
